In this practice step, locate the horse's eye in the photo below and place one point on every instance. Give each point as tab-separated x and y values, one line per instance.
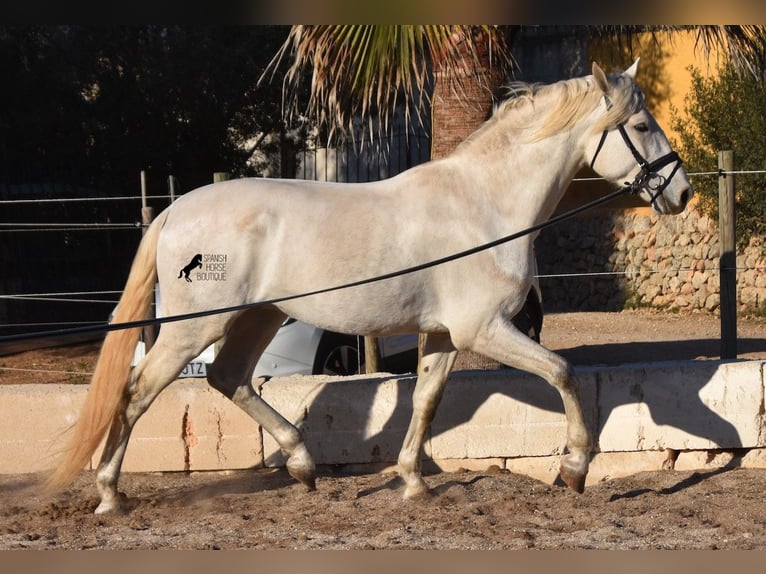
642	127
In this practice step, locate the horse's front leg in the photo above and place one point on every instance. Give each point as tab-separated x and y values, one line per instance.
504	343
433	369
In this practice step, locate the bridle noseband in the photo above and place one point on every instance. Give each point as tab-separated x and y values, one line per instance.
648	178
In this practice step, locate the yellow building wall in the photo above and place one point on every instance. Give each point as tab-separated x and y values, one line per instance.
678	53
681	55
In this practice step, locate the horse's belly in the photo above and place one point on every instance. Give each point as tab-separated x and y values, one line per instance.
365	310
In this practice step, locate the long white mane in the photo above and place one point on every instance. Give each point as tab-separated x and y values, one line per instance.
542	110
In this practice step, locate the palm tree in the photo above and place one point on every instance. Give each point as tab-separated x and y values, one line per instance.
366	71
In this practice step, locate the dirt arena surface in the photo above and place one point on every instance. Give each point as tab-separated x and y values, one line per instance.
723	509
265	509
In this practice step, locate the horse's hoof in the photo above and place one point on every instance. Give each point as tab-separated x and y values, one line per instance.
575	481
109	508
301	467
113	505
419	491
309	482
305	477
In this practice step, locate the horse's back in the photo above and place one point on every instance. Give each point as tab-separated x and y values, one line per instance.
260	239
264	239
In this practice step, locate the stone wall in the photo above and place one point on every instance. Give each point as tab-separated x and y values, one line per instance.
607	260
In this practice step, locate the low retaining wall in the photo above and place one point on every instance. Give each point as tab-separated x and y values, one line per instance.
642	415
668	262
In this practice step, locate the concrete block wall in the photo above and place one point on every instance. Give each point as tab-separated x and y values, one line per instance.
191	426
681	406
641	415
350	420
32	419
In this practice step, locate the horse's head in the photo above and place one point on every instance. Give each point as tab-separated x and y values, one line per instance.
629	147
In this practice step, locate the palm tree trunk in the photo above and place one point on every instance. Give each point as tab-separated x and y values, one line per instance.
457	110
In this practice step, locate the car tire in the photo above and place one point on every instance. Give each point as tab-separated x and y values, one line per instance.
339	355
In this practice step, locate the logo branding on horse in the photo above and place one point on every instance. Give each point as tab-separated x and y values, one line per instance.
212	267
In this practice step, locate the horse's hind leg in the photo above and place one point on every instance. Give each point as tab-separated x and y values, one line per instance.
157	370
231	374
504	343
433	369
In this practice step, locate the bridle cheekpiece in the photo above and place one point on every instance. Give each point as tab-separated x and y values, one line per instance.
648	178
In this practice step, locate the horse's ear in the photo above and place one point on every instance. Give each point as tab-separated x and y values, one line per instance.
631	72
600	76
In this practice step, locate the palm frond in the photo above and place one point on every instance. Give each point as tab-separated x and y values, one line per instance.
336	74
741	47
368	71
745	46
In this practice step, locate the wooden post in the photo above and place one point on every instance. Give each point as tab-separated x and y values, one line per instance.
371	355
147	216
172	188
728	260
147	212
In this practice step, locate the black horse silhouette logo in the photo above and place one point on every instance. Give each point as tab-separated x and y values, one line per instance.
195	262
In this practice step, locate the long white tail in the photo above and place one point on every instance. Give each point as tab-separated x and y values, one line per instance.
112	373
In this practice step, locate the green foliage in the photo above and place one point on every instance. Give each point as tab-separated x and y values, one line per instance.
726	112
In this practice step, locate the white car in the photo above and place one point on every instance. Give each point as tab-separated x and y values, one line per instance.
299	348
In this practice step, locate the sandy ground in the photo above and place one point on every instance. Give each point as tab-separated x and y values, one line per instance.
468	510
494	509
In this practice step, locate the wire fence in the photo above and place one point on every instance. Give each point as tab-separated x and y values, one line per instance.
105	299
49	226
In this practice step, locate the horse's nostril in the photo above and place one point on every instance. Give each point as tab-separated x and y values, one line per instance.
684	197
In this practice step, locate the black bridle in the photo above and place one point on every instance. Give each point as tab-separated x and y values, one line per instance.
648	178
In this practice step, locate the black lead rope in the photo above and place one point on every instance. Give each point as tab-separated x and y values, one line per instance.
645	179
187	316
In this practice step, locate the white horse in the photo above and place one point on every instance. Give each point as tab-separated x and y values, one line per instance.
270	239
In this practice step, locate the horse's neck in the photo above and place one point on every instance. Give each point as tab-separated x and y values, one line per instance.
524	179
